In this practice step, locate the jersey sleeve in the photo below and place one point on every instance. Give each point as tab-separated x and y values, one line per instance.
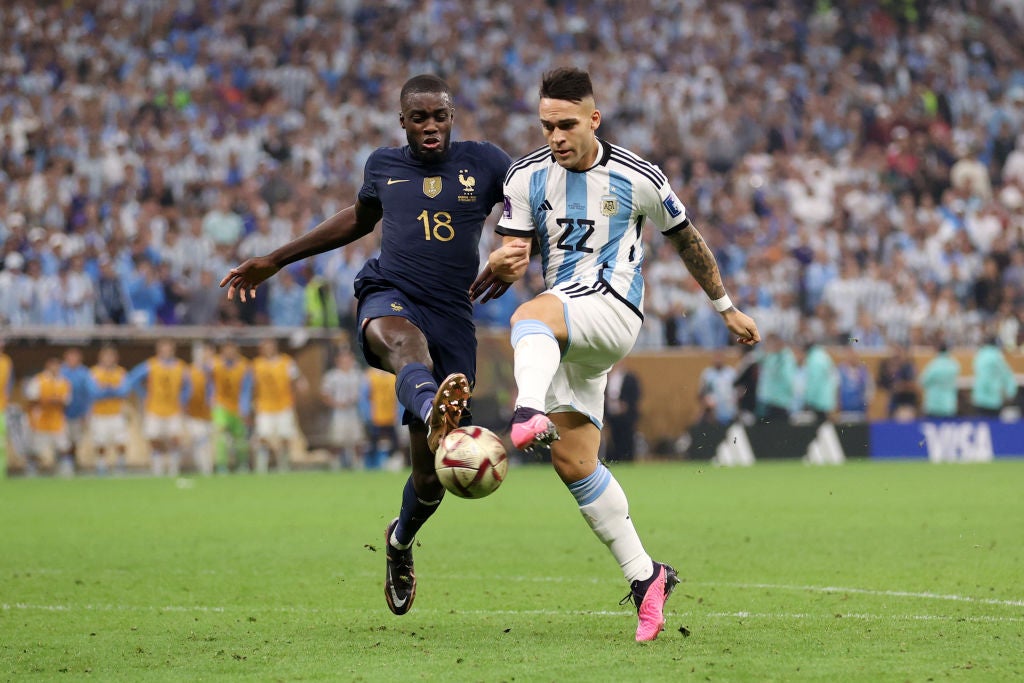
661	205
516	214
368	192
499	163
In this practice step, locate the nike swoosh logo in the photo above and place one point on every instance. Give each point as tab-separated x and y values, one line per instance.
421	384
392	181
399	604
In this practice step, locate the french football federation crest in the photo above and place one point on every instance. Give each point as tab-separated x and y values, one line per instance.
432	186
609	205
395	306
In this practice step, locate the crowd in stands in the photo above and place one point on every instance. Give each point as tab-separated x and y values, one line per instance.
857	167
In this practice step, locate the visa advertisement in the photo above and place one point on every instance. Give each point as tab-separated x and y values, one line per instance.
961	440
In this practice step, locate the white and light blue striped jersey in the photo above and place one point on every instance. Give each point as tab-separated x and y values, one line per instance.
589	223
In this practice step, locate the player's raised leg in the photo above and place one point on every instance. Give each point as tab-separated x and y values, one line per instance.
537	327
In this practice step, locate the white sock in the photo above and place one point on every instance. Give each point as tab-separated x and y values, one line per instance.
603	504
537	356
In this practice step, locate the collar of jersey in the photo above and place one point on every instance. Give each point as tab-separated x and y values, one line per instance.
604	150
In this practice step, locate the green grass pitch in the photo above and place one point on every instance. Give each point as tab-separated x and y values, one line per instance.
866	572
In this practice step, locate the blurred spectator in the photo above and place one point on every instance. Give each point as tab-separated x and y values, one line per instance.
108	426
48	394
856	386
340	389
275	381
286	300
202	301
747	371
163	383
231	380
776	381
113	305
198	418
382	416
994	383
145	294
622	412
897	376
6	384
80	403
321	310
821	382
939	385
717	391
221	224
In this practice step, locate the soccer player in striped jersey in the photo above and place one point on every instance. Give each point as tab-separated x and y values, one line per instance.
585	201
415	316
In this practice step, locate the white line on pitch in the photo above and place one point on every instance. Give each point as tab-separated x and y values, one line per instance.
20	606
864	591
723	584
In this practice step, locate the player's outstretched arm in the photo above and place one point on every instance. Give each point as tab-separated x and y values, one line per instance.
701	263
487	286
342	228
508	262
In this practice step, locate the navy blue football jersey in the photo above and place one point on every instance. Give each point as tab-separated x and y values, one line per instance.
433	215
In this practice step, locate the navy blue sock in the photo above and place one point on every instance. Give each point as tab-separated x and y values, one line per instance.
416	388
413	516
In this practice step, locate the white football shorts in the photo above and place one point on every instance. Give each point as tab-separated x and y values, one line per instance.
346	429
157	428
108	430
602	330
279	425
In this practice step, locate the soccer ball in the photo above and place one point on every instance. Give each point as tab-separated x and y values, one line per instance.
471	462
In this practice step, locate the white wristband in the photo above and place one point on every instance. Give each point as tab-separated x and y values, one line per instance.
723	304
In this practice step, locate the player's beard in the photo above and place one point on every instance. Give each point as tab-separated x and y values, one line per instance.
429	155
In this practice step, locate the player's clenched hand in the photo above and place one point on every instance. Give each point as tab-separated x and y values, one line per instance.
509	261
742	325
488	286
246	277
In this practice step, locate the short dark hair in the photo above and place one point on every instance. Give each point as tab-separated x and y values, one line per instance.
566	83
424	83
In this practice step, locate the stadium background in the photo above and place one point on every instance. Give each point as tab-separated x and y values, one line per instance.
857	167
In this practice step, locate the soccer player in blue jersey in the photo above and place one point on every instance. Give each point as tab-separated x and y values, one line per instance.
415	315
585	201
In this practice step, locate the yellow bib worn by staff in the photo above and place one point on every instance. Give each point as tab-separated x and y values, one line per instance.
272	379
228	378
108	379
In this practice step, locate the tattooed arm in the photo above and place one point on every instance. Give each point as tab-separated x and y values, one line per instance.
702	266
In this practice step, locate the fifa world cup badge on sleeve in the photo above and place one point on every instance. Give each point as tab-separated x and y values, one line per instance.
506	208
672	205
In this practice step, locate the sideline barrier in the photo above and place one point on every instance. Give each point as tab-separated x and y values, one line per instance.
775	440
954	440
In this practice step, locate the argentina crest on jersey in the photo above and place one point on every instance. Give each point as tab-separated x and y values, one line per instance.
609	205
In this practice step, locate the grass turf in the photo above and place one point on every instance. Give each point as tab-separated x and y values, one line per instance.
898	571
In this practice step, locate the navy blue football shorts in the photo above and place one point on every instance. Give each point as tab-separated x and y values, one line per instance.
451	338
